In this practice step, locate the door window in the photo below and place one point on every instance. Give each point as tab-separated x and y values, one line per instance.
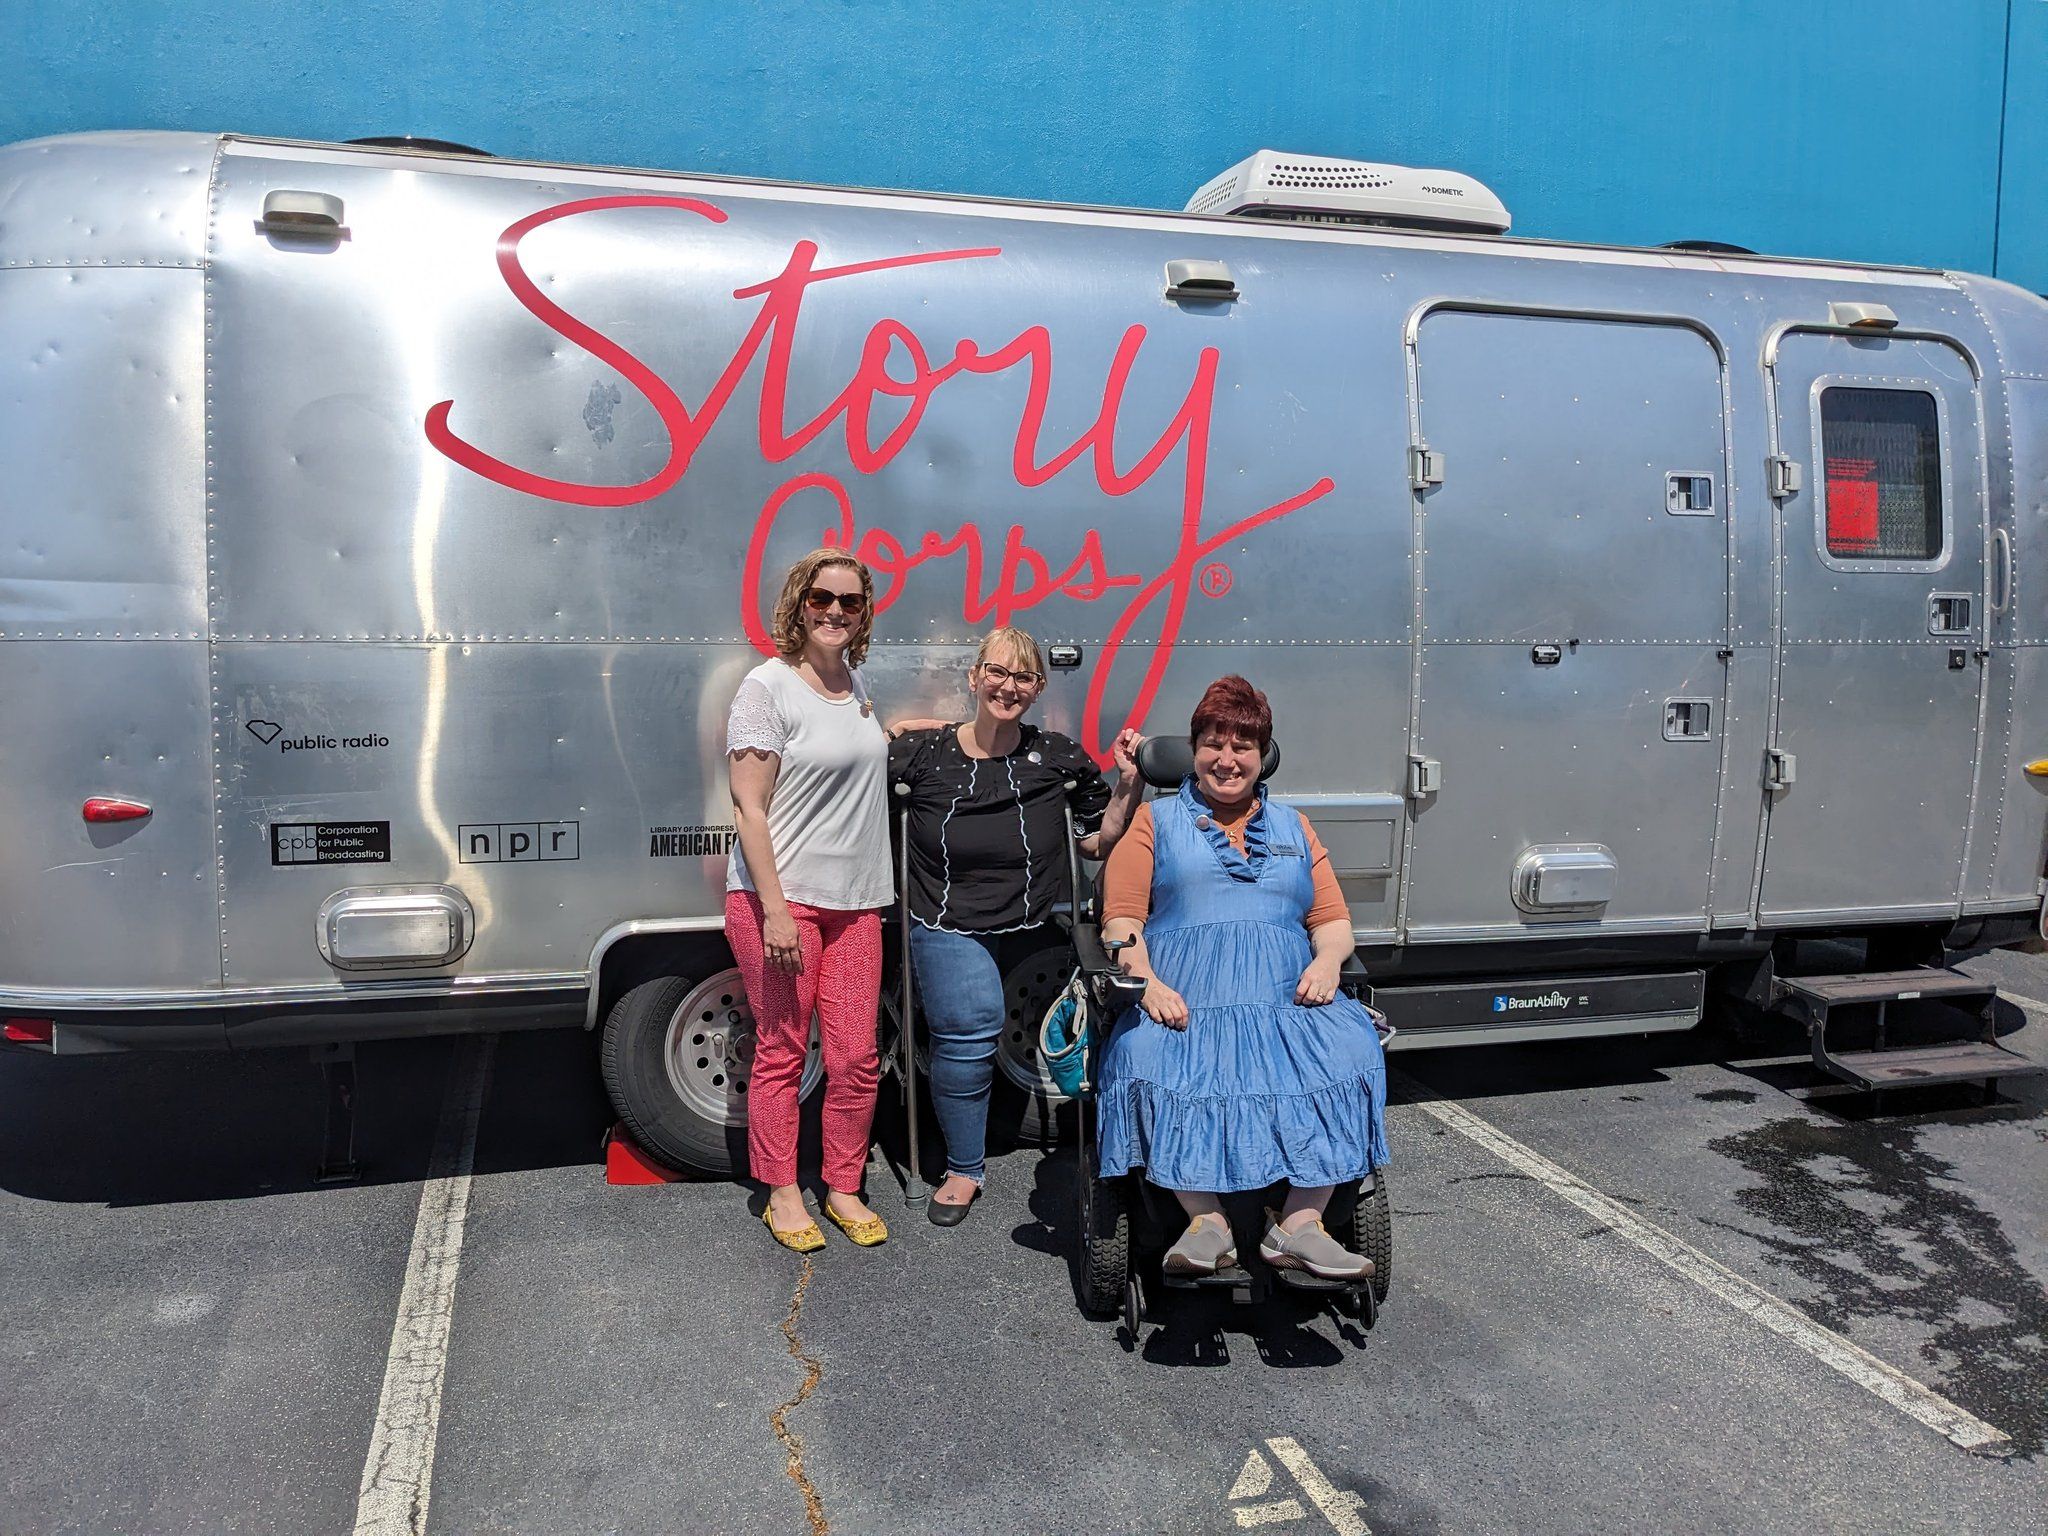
1882	453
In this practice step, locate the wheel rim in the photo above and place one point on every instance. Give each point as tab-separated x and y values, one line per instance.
1027	992
709	1051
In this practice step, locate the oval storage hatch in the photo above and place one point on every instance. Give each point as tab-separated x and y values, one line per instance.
1578	878
382	927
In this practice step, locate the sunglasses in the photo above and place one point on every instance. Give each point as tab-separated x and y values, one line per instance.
818	600
1000	675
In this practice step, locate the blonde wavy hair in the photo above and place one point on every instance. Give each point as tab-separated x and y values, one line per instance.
788	623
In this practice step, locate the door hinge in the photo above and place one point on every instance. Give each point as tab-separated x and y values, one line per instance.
1425	776
1785	477
1780	769
1425	466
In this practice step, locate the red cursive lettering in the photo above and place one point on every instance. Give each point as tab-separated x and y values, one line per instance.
895	366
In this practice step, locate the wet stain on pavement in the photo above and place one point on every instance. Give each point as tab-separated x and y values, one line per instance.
1728	1096
1880	1228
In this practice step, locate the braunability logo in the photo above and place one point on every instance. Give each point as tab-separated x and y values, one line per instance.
1505	1003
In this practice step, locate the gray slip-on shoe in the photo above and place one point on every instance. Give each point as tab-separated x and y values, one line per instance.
1312	1249
1204	1248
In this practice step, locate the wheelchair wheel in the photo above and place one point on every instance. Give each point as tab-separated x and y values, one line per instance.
1104	1262
1364	1223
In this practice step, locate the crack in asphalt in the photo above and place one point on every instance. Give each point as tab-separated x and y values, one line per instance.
792	1442
1881	1228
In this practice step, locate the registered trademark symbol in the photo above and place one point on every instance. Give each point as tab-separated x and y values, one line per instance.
1216	579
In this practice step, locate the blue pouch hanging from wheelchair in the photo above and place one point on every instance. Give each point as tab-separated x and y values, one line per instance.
1063	1040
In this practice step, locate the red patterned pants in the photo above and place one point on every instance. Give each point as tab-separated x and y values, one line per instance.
841	981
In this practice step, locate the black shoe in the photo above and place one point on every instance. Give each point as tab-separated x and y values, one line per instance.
943	1213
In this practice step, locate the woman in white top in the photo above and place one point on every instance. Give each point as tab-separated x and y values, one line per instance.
805	885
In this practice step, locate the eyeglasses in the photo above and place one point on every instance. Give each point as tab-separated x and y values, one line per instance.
818	600
1000	675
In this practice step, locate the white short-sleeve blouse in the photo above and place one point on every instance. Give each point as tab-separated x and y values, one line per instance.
828	817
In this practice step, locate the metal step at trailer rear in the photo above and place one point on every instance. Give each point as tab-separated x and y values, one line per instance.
1970	1056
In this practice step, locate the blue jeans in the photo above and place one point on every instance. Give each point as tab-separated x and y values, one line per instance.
961	983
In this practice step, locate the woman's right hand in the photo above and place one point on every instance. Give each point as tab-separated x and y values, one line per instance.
779	937
1163	1005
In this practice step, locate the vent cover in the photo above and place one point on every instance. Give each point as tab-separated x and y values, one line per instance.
1314	189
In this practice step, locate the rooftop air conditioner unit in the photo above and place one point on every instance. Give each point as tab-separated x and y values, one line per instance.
1314	189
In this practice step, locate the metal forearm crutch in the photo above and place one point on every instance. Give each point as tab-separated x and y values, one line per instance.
914	1192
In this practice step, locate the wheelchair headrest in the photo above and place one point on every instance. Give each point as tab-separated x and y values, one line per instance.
1163	761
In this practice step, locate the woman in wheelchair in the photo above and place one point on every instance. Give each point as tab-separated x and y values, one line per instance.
987	861
1243	1066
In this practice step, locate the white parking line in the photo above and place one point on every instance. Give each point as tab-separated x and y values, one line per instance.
1255	1481
1909	1396
1339	1508
398	1473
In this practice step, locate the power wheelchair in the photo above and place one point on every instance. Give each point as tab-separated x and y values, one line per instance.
1126	1224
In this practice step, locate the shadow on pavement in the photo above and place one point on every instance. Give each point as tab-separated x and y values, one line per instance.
156	1128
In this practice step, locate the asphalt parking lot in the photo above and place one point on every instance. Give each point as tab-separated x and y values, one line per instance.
1637	1286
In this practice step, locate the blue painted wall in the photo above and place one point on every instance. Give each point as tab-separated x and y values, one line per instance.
1898	130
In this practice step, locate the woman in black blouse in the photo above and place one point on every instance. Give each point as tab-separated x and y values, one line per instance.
987	863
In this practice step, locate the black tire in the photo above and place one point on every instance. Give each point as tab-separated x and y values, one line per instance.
1103	1263
643	1089
1364	1223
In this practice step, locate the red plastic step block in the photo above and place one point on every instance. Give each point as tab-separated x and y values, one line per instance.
626	1162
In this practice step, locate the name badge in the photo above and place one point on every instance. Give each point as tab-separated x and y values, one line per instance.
1288	851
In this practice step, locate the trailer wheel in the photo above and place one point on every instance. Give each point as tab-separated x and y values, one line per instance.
1026	1107
1363	1221
677	1059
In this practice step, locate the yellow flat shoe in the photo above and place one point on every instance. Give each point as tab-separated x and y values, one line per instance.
805	1239
870	1233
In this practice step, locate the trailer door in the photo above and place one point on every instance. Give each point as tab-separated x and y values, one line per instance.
1878	475
1572	600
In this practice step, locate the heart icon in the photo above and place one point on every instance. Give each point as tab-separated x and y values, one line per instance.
265	731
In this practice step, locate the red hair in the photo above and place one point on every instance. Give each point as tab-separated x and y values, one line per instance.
1233	706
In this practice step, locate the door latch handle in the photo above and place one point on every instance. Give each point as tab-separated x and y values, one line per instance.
1425	467
1425	776
1780	769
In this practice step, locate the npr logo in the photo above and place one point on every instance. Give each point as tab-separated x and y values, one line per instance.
516	842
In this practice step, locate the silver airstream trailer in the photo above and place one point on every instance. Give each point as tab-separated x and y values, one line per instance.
384	532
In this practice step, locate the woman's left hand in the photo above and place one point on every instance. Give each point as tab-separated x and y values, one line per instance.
1318	984
1124	750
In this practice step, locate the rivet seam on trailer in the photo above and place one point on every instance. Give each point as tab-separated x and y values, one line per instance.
922	642
213	738
80	266
1727	647
2012	578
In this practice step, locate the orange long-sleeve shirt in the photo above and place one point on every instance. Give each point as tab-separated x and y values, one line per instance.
1127	878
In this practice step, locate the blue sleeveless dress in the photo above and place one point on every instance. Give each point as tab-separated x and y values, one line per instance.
1256	1089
